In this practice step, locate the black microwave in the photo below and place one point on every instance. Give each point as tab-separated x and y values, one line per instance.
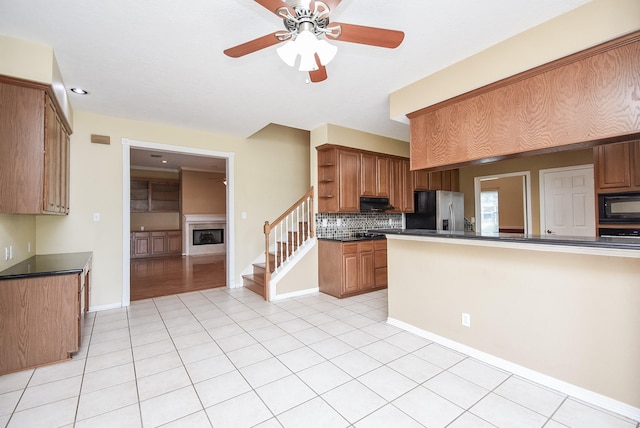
619	207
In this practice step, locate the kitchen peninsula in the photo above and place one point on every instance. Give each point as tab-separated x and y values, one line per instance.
561	311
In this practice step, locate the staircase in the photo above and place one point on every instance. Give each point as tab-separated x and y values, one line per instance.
283	239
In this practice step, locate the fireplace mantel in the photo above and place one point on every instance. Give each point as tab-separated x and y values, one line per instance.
193	221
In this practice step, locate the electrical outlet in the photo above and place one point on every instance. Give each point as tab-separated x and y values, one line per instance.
6	253
10	252
466	319
390	222
96	217
325	222
339	222
29	247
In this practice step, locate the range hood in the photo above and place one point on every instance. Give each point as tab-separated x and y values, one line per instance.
374	205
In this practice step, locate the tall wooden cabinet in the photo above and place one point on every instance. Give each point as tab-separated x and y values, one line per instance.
338	180
34	151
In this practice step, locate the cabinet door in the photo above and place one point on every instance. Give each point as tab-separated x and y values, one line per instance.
367	270
368	175
349	181
396	196
52	159
64	170
382	176
141	243
174	242
436	181
421	180
407	187
158	243
635	163
613	166
350	273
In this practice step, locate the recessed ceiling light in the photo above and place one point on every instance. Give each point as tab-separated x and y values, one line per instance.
79	91
164	161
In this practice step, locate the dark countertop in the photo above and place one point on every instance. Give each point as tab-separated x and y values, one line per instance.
358	236
47	265
612	242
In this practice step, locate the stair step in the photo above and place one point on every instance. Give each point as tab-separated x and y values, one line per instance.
258	279
250	284
261	268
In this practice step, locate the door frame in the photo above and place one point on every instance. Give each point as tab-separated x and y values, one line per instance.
127	145
526	200
541	175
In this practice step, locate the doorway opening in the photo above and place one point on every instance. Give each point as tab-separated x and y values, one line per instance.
180	272
503	203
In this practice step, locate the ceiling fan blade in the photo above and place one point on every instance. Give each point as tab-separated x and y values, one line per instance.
253	45
368	35
320	74
274	5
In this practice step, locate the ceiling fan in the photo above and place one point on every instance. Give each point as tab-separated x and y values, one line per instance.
306	22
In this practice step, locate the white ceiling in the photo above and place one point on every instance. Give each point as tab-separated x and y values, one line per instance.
162	60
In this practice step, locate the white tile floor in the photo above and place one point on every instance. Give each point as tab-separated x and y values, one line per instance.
226	358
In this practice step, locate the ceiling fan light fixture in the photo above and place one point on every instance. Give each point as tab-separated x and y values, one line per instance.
307	45
288	53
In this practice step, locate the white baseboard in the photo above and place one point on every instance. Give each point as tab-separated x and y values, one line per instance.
532	375
295	294
105	307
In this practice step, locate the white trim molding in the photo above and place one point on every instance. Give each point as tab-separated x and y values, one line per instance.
532	375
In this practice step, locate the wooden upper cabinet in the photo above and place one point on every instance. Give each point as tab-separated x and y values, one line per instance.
614	166
635	163
421	180
154	195
408	187
338	180
374	175
395	187
382	176
34	152
348	181
368	174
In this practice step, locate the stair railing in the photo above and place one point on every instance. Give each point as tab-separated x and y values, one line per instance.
288	233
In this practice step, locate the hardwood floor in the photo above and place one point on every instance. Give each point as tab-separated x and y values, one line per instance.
162	276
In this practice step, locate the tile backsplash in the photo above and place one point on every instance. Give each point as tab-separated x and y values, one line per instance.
337	225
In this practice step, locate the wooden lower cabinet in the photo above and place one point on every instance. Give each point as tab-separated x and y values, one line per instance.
41	319
156	243
349	268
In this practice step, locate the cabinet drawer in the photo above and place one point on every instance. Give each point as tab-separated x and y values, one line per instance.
365	246
350	248
380	244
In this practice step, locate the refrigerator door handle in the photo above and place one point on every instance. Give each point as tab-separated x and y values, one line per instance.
452	216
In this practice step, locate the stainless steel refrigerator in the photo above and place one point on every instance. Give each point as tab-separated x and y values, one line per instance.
437	210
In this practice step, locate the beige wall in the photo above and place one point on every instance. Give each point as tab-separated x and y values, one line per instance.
576	319
595	22
37	63
17	231
263	189
203	193
303	276
533	164
510	200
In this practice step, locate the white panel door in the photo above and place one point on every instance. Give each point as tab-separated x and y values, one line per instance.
567	204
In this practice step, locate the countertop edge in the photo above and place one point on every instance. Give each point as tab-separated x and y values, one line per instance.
576	247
